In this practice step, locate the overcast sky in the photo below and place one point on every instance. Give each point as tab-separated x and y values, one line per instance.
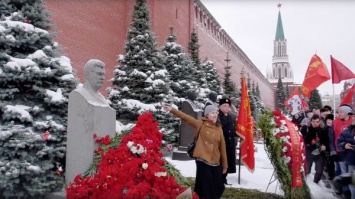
313	26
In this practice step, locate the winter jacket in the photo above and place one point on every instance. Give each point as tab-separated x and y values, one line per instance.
316	136
229	132
339	126
210	145
347	136
331	139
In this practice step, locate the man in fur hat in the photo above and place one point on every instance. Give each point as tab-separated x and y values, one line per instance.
228	125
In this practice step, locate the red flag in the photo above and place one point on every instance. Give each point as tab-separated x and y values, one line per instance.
339	71
294	102
316	74
349	96
245	130
304	105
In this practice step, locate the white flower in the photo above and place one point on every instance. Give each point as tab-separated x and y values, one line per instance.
284	149
283	129
144	165
141	149
130	144
160	174
286	159
283	122
272	122
283	139
275	131
134	149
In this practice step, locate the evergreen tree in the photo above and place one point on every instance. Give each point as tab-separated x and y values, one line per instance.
181	73
230	88
141	82
142	78
180	68
200	75
315	102
253	90
194	48
257	91
248	83
287	91
34	86
212	77
280	96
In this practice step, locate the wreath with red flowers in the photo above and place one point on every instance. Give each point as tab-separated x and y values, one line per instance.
282	141
134	169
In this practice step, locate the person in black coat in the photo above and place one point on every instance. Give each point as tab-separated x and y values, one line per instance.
228	125
316	142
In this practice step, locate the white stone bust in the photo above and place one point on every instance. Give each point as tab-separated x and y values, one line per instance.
94	74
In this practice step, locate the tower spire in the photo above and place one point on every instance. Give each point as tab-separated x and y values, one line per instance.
279	29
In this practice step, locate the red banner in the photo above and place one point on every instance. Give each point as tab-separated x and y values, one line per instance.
340	71
349	96
316	74
245	130
296	155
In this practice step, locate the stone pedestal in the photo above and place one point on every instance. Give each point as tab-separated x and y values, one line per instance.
56	195
85	119
187	132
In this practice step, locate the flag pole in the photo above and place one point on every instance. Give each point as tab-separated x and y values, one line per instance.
239	163
334	108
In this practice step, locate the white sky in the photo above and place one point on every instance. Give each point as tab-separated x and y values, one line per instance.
313	26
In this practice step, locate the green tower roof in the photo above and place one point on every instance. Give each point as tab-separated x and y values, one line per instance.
279	29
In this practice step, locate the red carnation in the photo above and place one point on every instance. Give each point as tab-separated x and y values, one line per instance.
277	113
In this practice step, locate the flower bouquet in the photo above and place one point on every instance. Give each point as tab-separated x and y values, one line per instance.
134	169
286	150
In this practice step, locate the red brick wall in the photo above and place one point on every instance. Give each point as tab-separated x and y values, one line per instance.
90	29
97	29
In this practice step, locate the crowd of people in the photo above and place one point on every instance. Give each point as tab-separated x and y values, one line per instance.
329	142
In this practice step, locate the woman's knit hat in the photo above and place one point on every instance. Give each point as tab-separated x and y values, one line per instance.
209	109
345	108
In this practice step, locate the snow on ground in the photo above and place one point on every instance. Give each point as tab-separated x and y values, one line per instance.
261	177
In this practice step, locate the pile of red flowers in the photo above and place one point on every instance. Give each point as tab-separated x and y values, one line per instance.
281	132
132	170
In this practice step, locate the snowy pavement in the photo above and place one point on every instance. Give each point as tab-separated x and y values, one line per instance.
261	177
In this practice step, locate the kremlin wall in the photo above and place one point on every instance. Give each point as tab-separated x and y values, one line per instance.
97	29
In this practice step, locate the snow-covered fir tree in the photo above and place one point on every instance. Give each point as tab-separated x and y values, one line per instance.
141	81
180	68
259	105
194	48
212	77
257	91
251	92
229	87
315	101
287	91
34	85
200	75
280	96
